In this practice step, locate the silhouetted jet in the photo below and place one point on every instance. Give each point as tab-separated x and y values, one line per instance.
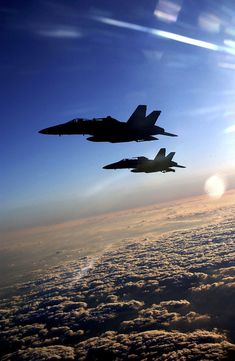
161	163
137	128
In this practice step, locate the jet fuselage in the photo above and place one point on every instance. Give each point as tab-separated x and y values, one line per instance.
107	129
152	166
126	163
161	163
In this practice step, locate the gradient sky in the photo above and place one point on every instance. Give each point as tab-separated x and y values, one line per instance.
65	59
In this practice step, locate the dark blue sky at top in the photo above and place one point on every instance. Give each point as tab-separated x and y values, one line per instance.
65	59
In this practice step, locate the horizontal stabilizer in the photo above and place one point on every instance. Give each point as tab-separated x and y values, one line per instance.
169	134
179	166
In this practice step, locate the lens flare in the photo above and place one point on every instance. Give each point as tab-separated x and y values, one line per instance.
215	186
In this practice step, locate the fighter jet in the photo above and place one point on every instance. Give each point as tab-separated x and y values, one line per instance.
161	163
138	127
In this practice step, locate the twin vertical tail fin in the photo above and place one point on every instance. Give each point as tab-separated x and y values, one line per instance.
151	119
137	117
161	154
170	156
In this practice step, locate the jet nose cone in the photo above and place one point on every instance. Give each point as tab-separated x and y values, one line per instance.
109	166
51	130
42	131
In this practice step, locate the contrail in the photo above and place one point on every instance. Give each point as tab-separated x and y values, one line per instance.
165	35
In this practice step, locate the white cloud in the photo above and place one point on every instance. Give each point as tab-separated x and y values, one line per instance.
61	33
230	129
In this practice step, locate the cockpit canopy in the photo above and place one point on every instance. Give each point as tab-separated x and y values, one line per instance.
141	158
79	120
76	120
108	119
134	158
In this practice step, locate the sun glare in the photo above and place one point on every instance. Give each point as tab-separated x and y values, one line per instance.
215	186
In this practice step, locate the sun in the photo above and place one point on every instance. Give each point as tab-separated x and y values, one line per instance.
215	186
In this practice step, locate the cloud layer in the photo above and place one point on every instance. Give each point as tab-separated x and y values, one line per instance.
151	297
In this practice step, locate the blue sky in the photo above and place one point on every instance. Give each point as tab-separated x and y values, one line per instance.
65	59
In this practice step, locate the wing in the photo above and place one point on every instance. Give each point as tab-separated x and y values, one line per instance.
137	116
161	154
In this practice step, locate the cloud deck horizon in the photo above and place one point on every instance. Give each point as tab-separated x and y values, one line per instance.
144	298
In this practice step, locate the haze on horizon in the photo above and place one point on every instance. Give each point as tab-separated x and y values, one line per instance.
26	253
